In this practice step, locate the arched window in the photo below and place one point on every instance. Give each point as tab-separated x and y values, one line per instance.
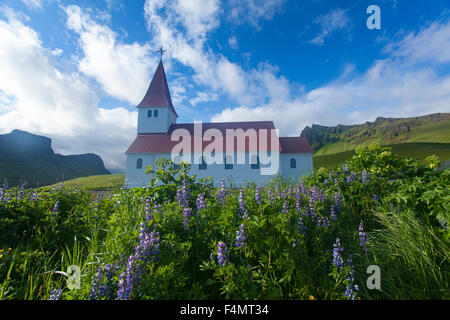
293	163
149	113
155	113
228	162
202	165
139	164
254	161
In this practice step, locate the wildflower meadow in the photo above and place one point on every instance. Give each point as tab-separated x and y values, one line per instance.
183	238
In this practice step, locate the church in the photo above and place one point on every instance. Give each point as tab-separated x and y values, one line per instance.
238	152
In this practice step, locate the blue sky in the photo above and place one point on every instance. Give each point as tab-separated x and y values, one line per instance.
75	70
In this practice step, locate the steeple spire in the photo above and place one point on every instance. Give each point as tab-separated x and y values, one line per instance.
158	94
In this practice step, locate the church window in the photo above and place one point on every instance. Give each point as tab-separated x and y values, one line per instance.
202	165
228	162
149	113
293	163
255	162
139	164
155	113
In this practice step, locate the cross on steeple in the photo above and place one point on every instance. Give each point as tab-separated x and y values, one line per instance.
161	51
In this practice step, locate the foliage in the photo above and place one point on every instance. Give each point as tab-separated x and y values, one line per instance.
183	238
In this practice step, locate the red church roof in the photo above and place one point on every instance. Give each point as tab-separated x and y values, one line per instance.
295	145
161	143
158	94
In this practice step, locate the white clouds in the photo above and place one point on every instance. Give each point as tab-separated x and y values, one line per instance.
334	20
397	86
204	97
57	52
123	70
431	44
168	26
254	11
36	96
233	78
33	4
198	16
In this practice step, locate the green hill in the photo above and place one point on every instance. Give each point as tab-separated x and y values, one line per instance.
434	128
418	151
97	182
25	157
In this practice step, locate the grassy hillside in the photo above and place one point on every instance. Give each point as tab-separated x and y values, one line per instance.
433	128
98	182
418	151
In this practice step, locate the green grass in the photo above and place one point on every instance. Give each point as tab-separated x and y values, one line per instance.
99	182
417	151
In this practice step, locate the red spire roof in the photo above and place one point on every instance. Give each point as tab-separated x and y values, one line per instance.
158	94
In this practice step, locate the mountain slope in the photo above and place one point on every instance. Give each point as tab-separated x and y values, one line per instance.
28	157
433	128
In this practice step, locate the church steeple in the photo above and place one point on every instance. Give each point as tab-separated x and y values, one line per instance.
158	94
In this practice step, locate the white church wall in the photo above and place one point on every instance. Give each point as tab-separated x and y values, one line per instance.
239	175
304	165
160	124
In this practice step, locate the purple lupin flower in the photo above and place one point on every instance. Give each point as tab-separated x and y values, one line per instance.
301	227
444	224
103	282
283	194
303	188
351	287
337	198
242	209
277	190
345	169
285	207
270	194
312	211
34	197
337	259
323	222
146	250
20	195
186	214
351	177
201	203
333	213
257	195
126	280
365	176
55	294
363	239
185	194
240	236
375	198
298	205
314	194
222	193
297	192
222	253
